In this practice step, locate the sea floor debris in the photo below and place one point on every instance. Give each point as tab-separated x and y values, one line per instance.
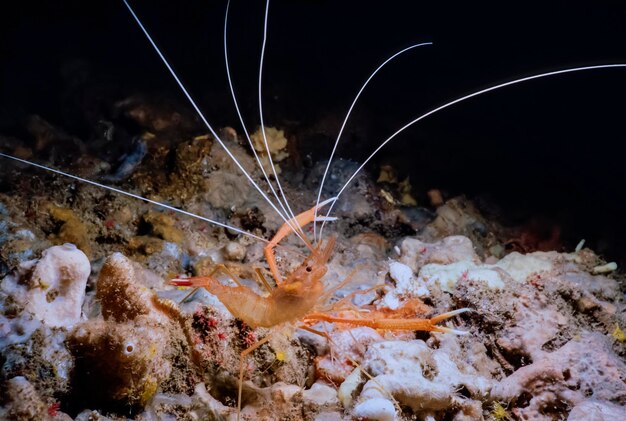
93	329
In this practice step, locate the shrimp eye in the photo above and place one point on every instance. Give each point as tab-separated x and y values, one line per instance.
308	269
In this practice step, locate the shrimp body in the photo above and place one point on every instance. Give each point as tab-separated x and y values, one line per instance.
290	301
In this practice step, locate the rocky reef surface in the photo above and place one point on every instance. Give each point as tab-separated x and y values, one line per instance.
91	329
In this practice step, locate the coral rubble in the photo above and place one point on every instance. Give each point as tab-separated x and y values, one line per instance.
93	330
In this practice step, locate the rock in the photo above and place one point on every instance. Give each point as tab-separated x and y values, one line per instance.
72	230
416	376
407	286
376	409
24	403
58	286
124	358
583	368
416	253
597	410
234	251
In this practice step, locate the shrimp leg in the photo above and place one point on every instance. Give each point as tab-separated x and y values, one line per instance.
242	358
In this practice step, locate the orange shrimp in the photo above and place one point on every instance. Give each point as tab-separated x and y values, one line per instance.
289	301
296	297
299	298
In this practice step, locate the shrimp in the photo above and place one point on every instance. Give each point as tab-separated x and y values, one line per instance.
296	298
289	301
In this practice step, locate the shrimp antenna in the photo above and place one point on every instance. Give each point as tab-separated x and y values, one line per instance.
243	125
200	114
345	120
299	231
134	196
461	99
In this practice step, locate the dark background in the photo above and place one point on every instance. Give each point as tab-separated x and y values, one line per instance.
550	148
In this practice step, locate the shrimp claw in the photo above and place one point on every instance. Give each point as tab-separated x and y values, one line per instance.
300	221
395	324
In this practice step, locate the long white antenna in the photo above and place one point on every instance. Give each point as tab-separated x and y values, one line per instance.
134	196
345	120
243	125
232	92
461	99
204	120
298	229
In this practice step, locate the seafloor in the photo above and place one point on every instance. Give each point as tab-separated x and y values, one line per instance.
90	329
